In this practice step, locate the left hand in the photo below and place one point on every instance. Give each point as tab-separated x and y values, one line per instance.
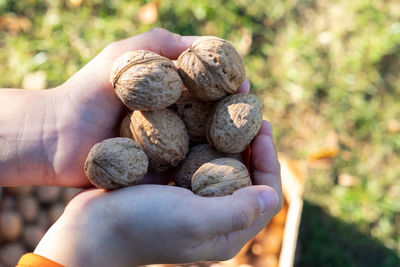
90	111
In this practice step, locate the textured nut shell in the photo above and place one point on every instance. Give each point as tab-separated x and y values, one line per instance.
195	115
162	135
197	156
116	162
144	80
235	122
211	68
220	177
32	235
125	127
11	225
28	207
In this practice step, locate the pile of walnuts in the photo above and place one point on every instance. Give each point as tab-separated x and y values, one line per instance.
165	120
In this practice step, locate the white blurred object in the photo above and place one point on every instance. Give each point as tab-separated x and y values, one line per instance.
34	80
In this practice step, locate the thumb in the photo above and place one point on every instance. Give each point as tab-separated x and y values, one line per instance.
222	215
157	40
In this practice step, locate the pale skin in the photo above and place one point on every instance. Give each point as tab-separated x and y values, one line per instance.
45	137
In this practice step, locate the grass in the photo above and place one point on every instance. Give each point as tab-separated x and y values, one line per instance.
328	73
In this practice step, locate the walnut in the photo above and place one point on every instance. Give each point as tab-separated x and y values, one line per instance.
195	115
162	135
220	177
144	80
197	156
211	68
125	127
28	207
235	122
116	162
11	225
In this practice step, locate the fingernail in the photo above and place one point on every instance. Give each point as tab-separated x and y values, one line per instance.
268	200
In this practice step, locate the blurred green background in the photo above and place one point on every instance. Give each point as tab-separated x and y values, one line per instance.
328	74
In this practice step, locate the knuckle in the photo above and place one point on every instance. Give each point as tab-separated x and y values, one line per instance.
111	48
160	32
241	219
164	34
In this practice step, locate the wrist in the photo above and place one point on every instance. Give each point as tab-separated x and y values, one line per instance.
85	236
28	135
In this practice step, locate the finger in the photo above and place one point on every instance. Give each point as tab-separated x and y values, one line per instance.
244	88
226	246
157	40
220	215
264	157
266	129
266	169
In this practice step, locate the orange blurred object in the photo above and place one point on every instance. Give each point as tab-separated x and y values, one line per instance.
148	13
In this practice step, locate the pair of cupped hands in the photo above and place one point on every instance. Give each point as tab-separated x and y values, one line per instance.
150	222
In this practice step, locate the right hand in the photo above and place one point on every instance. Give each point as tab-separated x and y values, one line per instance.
147	224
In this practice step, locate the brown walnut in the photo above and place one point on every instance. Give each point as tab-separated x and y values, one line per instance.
144	80
235	122
211	68
220	177
195	115
116	162
197	156
125	127
162	135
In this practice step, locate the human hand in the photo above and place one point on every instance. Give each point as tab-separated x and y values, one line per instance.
147	224
92	112
47	134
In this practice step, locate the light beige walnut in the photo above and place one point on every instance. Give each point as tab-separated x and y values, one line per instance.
125	127
220	177
195	115
32	234
197	156
28	207
235	122
211	68
116	162
144	80
10	253
11	225
162	135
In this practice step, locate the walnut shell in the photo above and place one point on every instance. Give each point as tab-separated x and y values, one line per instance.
144	80
10	253
125	127
162	135
211	68
220	177
48	194
235	122
197	156
28	207
32	234
116	162
11	225
195	115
